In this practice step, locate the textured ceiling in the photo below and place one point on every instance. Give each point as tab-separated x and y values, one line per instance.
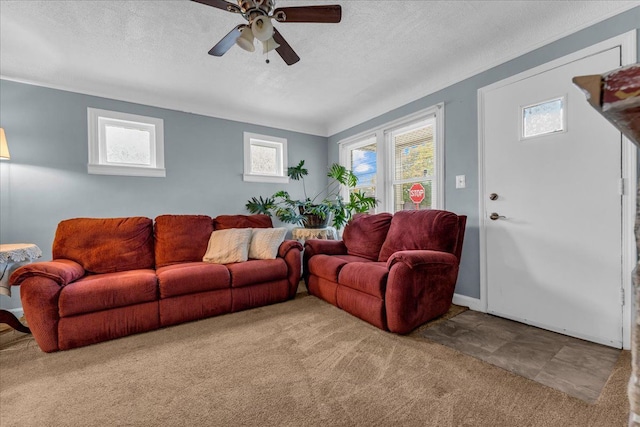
382	55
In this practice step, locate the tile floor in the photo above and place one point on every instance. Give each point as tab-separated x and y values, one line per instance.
576	367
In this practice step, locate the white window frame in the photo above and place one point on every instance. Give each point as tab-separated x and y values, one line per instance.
385	154
98	119
280	144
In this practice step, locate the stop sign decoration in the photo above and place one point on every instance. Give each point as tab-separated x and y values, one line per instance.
416	193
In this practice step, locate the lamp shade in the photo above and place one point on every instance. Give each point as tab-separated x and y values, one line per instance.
262	28
245	40
4	147
269	45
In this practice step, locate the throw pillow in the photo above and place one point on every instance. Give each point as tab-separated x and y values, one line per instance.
265	242
228	246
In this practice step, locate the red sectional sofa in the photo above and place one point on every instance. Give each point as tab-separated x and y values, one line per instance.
393	271
120	276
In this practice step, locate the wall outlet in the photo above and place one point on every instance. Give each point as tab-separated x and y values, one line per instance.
461	181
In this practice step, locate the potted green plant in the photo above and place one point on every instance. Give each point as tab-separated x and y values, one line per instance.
316	211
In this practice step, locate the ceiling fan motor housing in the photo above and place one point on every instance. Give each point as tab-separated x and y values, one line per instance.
253	7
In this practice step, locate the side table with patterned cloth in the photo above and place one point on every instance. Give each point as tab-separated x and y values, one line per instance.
11	258
302	234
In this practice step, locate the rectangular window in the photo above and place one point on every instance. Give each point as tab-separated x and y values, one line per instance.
364	164
543	118
125	144
265	158
413	153
400	163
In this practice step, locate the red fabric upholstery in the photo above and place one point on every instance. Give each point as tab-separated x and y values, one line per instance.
102	284
105	325
326	266
191	278
367	277
242	221
290	251
415	296
412	282
416	259
323	288
364	234
61	271
194	306
361	305
105	291
259	295
39	297
422	229
255	271
106	245
181	238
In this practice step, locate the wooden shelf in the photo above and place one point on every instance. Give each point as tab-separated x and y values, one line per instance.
616	95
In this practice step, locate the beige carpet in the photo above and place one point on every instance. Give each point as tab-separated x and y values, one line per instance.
300	363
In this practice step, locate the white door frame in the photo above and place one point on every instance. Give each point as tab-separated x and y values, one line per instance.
627	43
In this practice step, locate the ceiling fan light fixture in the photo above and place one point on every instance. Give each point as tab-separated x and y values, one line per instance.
269	45
262	28
245	41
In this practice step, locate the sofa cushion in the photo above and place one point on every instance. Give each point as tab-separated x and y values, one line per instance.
227	246
106	245
257	271
223	222
181	238
367	277
192	277
364	234
265	242
429	229
106	291
329	266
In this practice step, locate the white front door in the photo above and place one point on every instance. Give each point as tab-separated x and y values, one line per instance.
552	176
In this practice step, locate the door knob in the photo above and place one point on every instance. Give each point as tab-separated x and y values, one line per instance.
493	196
494	216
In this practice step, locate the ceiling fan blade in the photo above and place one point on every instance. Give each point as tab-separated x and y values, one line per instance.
330	14
226	43
285	51
220	4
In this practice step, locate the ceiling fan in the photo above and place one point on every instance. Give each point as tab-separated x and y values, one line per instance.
259	14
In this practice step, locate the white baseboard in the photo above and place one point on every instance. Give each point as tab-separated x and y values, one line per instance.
465	301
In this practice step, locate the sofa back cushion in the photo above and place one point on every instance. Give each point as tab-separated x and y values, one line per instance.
106	245
364	234
181	238
223	222
429	229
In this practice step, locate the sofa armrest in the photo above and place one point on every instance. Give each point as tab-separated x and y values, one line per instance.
418	258
290	251
288	245
61	271
326	247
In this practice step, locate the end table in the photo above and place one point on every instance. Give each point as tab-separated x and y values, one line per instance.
12	257
302	234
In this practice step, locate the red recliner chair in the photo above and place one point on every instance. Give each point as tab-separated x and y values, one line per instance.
393	271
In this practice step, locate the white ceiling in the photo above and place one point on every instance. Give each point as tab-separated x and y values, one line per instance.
382	55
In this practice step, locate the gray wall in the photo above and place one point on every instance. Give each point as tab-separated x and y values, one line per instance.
46	179
461	130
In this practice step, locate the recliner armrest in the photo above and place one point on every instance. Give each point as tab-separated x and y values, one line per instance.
61	271
417	258
288	245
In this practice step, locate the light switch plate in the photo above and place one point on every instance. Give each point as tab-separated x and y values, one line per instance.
461	181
